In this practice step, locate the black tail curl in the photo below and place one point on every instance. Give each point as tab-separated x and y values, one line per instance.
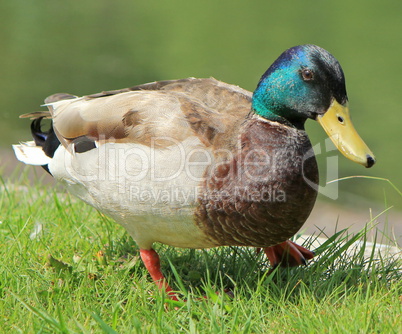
46	139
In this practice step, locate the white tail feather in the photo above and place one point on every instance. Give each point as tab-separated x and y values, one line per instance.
30	154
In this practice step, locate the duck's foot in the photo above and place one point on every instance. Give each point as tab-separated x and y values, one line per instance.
152	263
288	254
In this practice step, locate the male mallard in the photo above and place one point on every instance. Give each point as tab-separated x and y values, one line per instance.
199	163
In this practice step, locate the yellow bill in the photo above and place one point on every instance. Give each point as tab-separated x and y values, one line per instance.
338	125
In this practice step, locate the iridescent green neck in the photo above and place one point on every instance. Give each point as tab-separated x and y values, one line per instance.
261	109
279	95
266	108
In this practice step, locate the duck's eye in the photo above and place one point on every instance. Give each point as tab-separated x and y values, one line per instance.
340	119
307	74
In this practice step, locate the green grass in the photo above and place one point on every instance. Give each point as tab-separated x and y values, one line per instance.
57	281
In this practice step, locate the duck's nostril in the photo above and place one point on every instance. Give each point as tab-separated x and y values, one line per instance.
370	161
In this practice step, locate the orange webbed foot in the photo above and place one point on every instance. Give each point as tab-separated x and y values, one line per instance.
288	254
152	262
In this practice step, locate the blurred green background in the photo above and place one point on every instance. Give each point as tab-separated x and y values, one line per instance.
86	46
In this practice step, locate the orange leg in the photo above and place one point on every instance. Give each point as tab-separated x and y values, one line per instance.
288	254
152	263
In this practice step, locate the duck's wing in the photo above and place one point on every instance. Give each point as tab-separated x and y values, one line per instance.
157	113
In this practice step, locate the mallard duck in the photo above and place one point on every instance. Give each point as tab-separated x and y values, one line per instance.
199	163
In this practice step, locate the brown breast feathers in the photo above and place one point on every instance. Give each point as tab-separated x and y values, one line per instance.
259	196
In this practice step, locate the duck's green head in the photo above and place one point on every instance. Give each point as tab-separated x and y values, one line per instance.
306	81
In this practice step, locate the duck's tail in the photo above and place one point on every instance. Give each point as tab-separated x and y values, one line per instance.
40	151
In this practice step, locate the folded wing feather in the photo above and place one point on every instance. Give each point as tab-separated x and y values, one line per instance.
157	113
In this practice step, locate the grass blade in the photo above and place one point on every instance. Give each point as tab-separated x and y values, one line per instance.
103	325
